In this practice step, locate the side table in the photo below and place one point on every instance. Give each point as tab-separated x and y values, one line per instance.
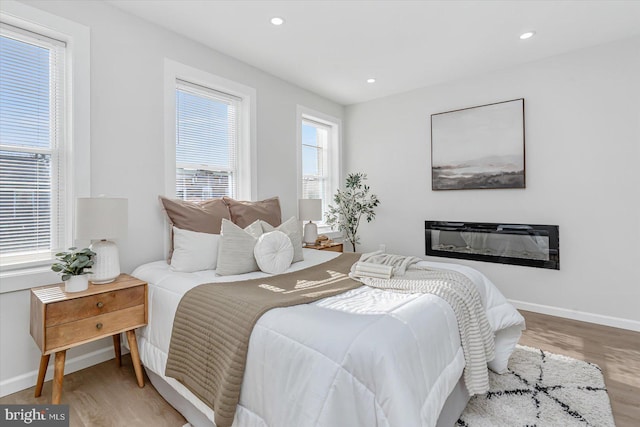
60	321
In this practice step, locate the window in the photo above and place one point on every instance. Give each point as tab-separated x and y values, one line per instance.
54	146
209	136
319	156
33	201
315	137
206	142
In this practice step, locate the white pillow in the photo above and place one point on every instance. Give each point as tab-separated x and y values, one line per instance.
193	251
273	252
291	228
235	255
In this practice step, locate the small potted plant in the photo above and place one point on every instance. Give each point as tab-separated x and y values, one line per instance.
74	266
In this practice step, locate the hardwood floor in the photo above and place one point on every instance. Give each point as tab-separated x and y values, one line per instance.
616	351
105	395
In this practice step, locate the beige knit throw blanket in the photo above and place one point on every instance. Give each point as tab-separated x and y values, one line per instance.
213	323
476	335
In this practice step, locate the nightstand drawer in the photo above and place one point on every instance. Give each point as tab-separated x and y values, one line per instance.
71	333
75	309
333	248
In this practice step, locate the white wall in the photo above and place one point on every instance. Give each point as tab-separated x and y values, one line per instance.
582	118
127	148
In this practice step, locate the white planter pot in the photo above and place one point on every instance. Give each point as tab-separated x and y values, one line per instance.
77	283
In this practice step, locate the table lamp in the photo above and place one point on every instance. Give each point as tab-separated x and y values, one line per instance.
311	210
99	219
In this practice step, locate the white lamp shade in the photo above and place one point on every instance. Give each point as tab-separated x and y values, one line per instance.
101	218
310	209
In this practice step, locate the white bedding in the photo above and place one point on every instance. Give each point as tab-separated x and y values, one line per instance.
367	357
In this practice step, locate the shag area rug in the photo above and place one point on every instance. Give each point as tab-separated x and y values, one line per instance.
543	390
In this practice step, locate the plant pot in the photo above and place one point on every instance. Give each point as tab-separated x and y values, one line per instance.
77	283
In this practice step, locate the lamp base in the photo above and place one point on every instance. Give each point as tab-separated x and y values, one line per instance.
310	233
107	265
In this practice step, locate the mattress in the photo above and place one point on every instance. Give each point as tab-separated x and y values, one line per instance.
366	357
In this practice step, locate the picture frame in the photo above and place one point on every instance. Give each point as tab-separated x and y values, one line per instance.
480	147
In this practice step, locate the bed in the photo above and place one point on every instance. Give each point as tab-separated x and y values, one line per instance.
367	357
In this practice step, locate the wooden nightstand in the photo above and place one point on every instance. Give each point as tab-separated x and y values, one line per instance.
333	247
60	321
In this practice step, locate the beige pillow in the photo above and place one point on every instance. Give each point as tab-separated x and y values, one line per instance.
235	250
244	213
203	217
291	228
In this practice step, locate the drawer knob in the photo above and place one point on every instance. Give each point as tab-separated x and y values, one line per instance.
99	326
100	304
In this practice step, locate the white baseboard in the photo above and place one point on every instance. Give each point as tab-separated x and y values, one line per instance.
600	319
26	380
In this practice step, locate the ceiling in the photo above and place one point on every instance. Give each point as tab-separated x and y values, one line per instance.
332	47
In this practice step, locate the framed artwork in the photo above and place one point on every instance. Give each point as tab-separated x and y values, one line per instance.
478	147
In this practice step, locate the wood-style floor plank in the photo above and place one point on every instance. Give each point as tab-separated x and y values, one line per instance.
105	395
615	351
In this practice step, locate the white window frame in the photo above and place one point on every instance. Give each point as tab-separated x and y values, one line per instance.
247	176
56	149
77	118
333	155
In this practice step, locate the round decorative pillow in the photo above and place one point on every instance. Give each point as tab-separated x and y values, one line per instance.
273	252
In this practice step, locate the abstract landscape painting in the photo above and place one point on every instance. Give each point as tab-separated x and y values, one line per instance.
478	147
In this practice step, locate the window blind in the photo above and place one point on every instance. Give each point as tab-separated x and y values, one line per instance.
315	170
207	127
32	171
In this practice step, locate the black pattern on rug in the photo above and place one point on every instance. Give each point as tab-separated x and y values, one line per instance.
542	389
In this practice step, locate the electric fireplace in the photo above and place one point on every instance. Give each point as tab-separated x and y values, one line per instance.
530	245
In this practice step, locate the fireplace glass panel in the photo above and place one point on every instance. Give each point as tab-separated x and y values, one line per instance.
520	244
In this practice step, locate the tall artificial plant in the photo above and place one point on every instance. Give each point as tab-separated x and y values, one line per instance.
351	205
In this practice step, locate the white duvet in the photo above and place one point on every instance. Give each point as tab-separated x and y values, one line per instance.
366	358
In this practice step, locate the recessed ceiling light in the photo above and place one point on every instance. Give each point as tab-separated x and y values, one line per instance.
371	80
527	35
277	20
